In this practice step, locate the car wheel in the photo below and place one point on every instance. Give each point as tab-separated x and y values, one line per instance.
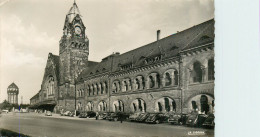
157	121
115	119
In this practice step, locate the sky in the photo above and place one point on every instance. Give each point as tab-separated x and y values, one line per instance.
30	29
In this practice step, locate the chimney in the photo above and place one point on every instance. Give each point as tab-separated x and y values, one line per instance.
158	34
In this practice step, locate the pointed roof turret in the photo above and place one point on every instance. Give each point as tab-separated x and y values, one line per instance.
73	12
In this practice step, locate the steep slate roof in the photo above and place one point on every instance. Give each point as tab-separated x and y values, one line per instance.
96	68
167	47
13	85
56	61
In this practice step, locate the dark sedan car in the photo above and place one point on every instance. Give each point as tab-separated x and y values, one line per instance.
156	118
196	120
118	116
91	114
178	119
209	122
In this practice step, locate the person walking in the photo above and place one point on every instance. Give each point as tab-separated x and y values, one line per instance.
97	116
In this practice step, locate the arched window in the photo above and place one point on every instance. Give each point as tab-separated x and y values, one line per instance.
160	106
143	82
137	83
197	72
168	79
97	88
134	106
89	92
176	78
115	87
125	86
173	105
151	82
140	105
102	88
158	80
93	90
106	87
211	70
167	106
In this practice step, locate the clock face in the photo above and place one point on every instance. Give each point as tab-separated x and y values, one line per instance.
77	30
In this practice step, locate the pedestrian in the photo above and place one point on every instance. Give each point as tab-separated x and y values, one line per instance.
97	116
120	118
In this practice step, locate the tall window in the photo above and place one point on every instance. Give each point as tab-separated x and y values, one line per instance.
158	80
106	87
167	106
101	88
211	70
137	83
160	106
176	78
97	88
168	79
151	82
197	72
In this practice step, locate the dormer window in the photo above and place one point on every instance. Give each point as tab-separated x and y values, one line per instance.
204	37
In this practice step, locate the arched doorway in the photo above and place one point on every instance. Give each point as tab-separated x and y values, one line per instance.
118	105
165	104
201	103
138	105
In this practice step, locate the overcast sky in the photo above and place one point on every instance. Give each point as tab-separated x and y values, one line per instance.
30	29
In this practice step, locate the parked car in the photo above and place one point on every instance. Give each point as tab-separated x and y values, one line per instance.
104	115
156	118
142	117
196	120
209	122
83	115
91	114
67	113
178	119
5	110
118	116
48	113
134	116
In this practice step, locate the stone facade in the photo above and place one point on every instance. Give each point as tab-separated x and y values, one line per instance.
175	73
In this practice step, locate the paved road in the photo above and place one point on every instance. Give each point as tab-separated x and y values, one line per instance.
38	125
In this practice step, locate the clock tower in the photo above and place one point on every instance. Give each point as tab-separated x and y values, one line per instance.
73	47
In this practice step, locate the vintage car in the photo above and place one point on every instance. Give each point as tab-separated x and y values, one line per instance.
118	116
134	116
104	115
156	118
67	113
48	113
91	114
178	119
83	115
195	119
142	117
209	122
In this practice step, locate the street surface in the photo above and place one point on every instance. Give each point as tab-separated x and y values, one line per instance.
38	125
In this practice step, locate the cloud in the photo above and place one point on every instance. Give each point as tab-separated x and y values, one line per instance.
24	51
